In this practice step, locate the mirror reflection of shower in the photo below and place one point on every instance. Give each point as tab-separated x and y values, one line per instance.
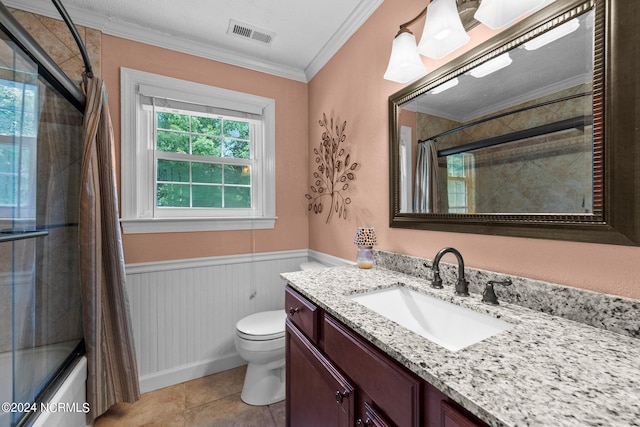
512	135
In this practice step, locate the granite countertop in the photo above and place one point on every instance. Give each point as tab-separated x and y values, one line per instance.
545	371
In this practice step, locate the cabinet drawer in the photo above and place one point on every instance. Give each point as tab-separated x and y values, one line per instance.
302	313
392	389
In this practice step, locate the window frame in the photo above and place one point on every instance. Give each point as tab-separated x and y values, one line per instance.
137	157
468	181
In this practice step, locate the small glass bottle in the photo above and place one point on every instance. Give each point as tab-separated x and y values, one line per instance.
365	256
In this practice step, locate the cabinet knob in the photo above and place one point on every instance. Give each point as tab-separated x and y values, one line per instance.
293	310
340	395
364	423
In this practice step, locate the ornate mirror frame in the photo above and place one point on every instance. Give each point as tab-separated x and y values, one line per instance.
616	132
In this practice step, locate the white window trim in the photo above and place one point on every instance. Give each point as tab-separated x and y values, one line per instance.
135	187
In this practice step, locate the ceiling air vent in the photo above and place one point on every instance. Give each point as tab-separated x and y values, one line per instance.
246	31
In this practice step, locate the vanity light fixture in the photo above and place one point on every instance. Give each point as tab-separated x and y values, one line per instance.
444	86
445	31
492	65
553	35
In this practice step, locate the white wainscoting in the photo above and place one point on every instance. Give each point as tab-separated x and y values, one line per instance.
184	312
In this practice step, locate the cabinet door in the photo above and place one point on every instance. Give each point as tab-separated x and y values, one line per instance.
452	417
441	411
373	418
392	388
317	394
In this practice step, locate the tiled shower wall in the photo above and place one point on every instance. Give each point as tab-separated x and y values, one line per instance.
56	39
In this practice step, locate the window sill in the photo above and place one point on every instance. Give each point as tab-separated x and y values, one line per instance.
176	225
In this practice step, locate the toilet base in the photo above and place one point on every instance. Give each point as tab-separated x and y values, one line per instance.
264	384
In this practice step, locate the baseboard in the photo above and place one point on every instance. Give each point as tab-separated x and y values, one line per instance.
190	372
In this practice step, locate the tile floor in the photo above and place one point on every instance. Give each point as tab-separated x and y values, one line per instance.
209	401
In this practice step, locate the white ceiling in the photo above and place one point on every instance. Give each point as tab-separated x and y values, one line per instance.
532	75
307	33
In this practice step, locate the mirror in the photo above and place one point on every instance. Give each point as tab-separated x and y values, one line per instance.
510	138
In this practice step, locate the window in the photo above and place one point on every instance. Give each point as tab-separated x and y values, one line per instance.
195	157
460	183
18	149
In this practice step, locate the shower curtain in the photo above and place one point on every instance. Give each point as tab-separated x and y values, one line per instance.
112	370
426	189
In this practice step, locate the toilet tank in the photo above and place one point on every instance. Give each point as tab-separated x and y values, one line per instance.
311	265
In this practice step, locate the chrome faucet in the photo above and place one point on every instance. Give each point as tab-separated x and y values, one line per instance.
462	285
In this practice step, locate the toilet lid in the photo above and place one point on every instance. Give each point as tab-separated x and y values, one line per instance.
265	325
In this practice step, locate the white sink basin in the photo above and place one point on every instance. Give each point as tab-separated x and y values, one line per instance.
449	325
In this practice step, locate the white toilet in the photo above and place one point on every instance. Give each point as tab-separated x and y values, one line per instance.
260	341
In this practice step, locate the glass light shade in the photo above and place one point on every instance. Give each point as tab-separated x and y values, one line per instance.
501	13
443	31
492	65
405	64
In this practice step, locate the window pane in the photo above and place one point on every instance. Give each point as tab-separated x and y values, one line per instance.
173	195
456	186
237	197
235	129
206	125
173	170
18	103
206	146
173	121
207	196
206	172
237	149
237	175
454	165
173	142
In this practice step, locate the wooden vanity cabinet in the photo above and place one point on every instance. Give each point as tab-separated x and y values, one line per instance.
337	378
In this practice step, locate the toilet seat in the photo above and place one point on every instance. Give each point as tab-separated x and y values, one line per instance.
263	326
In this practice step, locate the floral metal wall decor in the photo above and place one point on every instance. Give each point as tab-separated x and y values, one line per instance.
334	173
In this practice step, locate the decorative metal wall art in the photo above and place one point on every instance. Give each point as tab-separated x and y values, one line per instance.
334	172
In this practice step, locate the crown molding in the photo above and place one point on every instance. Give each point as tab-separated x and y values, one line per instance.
358	17
115	28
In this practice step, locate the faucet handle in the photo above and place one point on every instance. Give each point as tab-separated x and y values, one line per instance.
489	295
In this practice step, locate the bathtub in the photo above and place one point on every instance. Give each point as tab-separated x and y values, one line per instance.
71	392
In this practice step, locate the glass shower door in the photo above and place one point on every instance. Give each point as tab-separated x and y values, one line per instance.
40	306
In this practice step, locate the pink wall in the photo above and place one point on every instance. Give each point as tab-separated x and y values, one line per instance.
291	230
351	88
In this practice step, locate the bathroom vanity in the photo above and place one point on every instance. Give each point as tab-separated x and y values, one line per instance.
348	365
375	390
